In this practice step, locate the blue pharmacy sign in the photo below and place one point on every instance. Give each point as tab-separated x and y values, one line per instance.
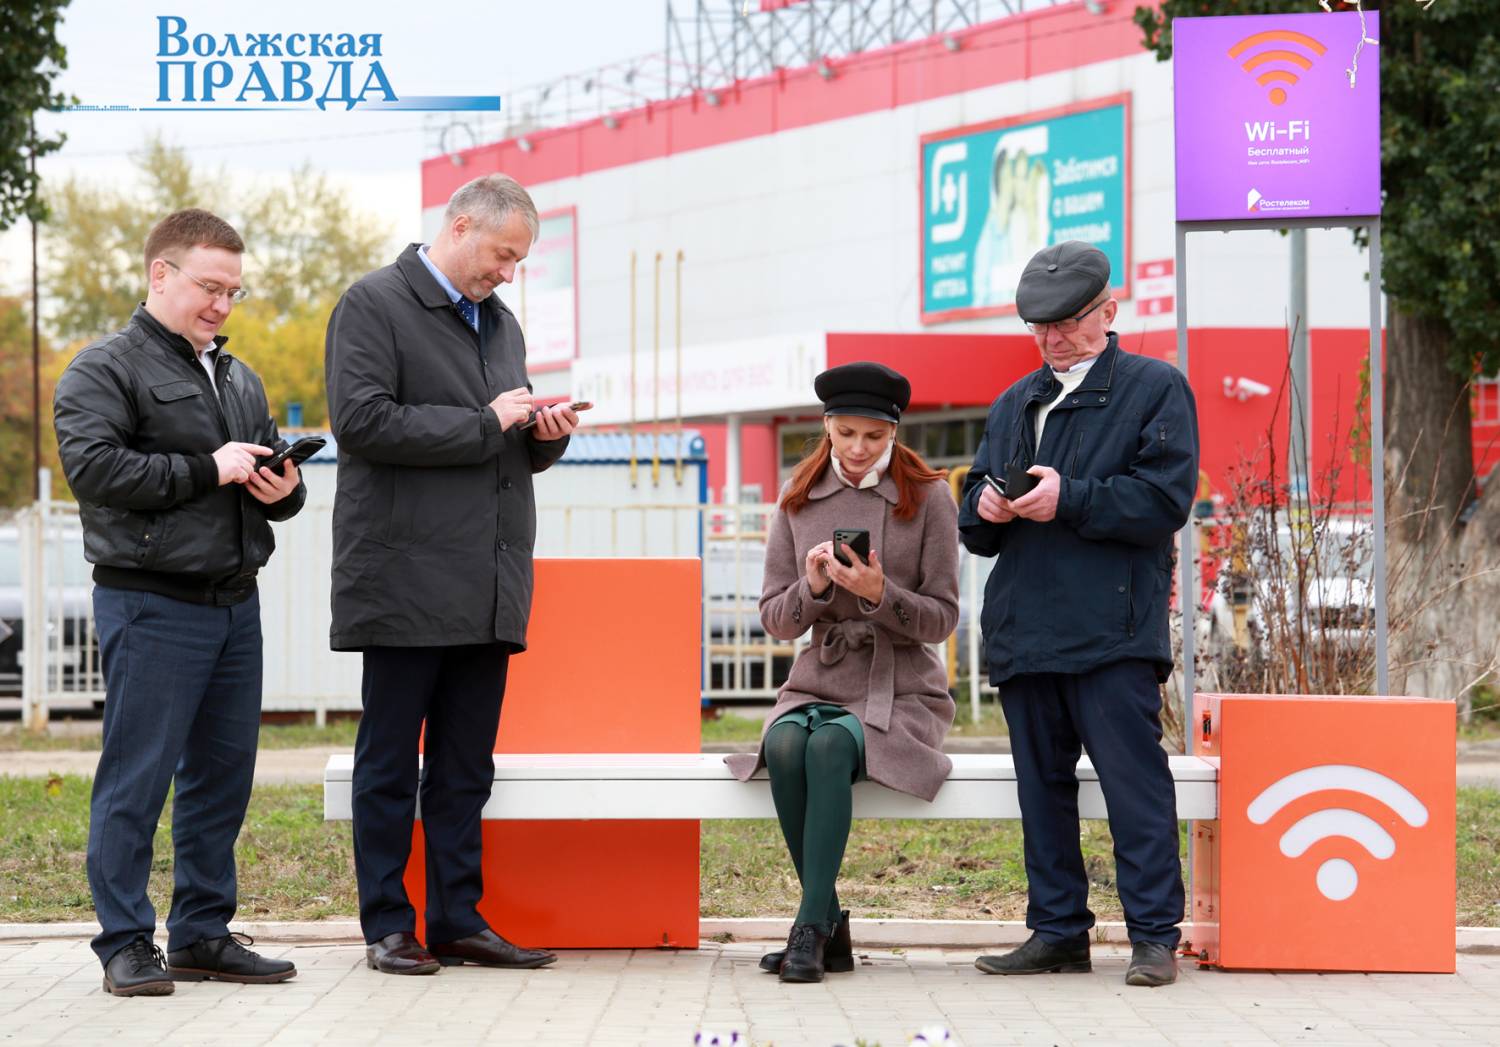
994	194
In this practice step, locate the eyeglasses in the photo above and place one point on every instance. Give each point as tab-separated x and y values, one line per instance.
236	294
1067	326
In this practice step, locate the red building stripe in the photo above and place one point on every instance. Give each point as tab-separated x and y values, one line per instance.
1049	40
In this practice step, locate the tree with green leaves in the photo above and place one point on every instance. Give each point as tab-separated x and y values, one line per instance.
30	60
1440	174
304	243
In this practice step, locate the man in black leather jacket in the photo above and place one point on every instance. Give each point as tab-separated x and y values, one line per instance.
159	429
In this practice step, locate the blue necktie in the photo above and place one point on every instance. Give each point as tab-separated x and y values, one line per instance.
470	311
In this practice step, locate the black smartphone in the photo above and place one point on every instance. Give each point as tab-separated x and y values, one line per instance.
996	483
298	452
1018	482
857	541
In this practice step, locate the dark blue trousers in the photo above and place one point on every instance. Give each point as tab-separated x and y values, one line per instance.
1115	714
457	692
182	699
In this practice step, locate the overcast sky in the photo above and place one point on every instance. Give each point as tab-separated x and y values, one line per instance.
481	47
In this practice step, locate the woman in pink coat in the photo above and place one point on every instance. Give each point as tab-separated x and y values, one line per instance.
869	697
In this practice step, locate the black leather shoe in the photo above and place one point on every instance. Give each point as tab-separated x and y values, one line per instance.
838	955
400	953
1151	964
139	969
804	955
1039	956
488	949
227	960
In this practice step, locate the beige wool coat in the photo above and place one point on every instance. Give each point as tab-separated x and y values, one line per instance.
871	659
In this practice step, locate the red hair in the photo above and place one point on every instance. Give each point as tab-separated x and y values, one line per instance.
910	474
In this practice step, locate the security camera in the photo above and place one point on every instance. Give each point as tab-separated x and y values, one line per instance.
1243	388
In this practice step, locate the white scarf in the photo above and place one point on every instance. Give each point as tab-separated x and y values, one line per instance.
871	478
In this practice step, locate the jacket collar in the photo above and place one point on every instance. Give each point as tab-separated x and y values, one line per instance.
174	341
829	484
1099	378
428	291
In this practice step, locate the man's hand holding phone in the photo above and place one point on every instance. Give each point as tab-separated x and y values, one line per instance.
993	505
512	407
556	421
236	461
269	486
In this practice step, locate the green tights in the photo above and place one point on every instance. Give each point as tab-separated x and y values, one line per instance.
812	778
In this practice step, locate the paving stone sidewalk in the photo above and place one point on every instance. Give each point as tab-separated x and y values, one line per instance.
49	993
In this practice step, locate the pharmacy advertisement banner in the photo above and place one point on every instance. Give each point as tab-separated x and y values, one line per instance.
995	194
1277	115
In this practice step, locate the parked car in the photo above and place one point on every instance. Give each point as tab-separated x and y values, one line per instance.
69	611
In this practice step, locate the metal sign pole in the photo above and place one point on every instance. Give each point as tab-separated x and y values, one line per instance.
1377	461
1187	597
1377	431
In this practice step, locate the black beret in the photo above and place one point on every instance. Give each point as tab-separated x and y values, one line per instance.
1060	281
867	389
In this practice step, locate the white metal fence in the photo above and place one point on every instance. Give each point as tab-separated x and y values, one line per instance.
740	662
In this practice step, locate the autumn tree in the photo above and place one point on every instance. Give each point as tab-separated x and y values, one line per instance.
304	243
15	403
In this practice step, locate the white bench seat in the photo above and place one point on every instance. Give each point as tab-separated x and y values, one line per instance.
696	786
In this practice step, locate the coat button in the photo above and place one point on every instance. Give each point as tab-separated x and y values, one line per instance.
1075	399
505	483
503	545
1121	589
1102	399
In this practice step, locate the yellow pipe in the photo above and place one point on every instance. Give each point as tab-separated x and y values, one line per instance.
956	479
632	371
679	367
656	375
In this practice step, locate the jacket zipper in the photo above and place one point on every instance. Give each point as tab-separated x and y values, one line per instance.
1130	604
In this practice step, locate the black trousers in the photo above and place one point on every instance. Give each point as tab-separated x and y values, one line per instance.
1114	713
457	692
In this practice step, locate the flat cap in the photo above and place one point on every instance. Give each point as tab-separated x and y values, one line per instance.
867	389
1060	281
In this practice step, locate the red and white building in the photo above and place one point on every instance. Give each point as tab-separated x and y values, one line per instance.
797	202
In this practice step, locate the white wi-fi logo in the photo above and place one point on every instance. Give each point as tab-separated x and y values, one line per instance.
1337	878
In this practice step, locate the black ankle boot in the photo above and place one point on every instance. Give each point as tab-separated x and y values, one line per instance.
804	954
838	956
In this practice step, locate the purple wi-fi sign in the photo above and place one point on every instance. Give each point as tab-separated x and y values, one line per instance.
1267	122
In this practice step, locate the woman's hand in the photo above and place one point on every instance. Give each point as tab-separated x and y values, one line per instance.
863	580
815	566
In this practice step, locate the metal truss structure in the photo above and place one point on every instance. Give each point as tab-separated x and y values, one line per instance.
712	44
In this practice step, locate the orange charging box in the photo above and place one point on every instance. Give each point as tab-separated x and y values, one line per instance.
1334	849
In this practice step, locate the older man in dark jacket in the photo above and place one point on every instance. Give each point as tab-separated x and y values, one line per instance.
1087	468
433	526
159	429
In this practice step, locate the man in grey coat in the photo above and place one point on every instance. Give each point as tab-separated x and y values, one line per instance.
433	526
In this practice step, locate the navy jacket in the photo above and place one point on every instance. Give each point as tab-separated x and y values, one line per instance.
1091	586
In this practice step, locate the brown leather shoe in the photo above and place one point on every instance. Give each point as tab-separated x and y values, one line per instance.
400	953
488	949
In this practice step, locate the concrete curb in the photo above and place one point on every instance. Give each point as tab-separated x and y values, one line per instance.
882	933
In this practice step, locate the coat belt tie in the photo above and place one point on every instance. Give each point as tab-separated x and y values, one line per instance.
836	639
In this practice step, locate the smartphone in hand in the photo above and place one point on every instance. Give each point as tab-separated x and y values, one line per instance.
576	405
298	452
851	540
